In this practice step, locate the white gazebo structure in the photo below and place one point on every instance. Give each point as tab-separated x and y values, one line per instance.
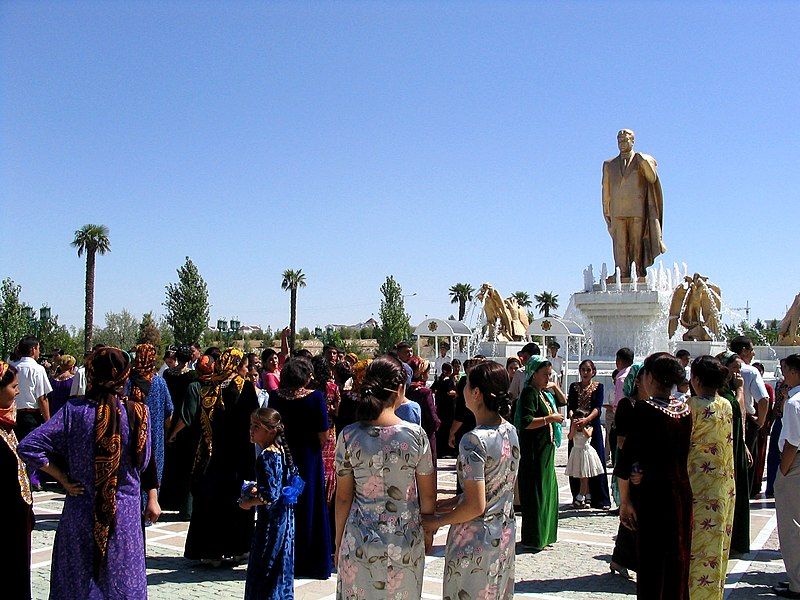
441	328
562	330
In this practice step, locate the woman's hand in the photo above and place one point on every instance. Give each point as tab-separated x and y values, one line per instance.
336	558
554	418
153	509
72	488
430	523
627	516
248	503
749	457
428	542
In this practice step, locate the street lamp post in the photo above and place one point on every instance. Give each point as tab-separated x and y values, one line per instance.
226	332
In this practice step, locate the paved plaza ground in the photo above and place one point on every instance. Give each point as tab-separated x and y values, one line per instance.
576	568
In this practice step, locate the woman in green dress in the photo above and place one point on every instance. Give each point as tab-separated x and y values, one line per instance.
539	425
733	393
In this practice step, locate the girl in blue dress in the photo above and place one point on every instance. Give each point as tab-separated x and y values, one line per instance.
270	570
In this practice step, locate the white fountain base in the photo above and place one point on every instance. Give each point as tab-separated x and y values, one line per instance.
626	318
500	351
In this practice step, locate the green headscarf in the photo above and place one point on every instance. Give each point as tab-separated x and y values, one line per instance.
535	363
630	379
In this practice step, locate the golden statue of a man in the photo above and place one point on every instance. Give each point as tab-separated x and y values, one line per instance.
633	206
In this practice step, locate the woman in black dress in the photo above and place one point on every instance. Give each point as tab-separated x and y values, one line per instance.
587	395
661	509
15	495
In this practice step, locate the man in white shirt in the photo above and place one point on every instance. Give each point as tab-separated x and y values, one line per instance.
555	361
623	362
197	352
33	408
441	359
787	482
756	397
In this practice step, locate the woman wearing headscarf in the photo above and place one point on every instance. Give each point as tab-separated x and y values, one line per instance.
624	557
733	392
145	386
224	458
660	511
179	454
103	443
538	423
15	494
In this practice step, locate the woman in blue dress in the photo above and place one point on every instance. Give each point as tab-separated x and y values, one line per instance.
270	570
145	386
304	413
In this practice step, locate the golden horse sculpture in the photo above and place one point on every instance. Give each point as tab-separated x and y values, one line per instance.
789	328
696	304
506	320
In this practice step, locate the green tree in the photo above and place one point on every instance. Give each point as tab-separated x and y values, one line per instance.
545	302
93	240
13	321
187	305
395	322
523	299
54	335
304	334
150	334
461	293
121	330
292	280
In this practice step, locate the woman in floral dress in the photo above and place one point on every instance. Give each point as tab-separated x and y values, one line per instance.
385	480
479	561
711	475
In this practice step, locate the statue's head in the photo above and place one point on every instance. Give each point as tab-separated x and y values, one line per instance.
625	140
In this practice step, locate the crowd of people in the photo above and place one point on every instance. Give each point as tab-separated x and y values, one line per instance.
304	465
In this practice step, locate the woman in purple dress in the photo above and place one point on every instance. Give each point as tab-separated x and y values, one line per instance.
61	383
103	443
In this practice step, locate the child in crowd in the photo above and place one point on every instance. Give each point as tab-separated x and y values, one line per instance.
270	570
583	461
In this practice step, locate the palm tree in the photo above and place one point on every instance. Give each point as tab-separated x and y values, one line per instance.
460	294
522	298
291	281
93	240
545	302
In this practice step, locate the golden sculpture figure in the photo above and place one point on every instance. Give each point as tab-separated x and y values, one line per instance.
519	319
696	304
789	328
495	310
633	206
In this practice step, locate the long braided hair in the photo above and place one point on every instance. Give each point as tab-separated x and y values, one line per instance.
271	418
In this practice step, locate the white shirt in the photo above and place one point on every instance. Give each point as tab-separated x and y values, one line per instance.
161	369
517	384
754	388
78	387
440	360
33	383
791	420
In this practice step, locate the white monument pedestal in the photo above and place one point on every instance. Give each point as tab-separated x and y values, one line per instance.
626	318
698	348
500	351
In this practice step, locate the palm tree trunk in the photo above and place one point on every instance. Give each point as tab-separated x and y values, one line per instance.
89	307
546	310
462	308
292	318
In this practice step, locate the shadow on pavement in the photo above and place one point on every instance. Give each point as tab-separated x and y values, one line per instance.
176	569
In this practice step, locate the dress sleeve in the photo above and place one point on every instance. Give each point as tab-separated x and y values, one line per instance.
191	402
572	397
597	398
342	464
169	408
472	457
527	406
425	463
322	408
629	453
270	476
47	442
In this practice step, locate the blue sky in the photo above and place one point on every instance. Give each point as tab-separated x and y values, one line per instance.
439	142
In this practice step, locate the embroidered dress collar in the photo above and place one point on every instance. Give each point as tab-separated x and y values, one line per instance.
10	439
672	407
